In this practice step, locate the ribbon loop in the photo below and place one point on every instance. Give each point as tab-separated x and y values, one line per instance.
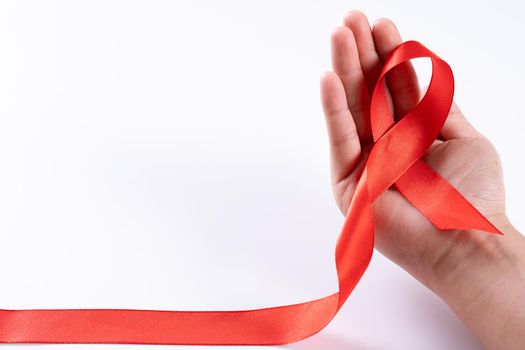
409	138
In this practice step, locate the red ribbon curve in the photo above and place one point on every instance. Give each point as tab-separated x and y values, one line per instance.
400	145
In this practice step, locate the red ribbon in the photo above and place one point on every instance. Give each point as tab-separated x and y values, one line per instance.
400	145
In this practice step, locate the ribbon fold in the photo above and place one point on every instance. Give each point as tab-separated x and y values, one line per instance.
406	172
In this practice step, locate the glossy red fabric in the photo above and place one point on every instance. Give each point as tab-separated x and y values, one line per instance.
395	160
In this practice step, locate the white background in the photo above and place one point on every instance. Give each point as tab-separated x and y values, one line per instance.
172	155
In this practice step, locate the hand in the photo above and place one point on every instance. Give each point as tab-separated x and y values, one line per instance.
463	156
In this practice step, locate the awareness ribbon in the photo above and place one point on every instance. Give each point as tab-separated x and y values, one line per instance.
400	145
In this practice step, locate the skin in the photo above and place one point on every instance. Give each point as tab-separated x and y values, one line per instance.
480	276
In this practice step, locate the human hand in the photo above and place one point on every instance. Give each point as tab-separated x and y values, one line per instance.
458	265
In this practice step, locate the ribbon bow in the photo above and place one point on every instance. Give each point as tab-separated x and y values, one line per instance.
400	144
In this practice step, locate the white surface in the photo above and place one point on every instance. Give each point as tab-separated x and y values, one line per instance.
172	155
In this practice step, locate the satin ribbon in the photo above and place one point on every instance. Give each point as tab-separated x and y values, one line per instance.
400	145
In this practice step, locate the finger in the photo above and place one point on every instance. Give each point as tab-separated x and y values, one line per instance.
345	149
402	81
457	126
345	62
368	56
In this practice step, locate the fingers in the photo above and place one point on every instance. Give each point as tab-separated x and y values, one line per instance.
345	148
369	59
404	86
357	56
457	126
345	62
402	80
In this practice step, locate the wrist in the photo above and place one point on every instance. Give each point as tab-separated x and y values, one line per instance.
471	253
481	277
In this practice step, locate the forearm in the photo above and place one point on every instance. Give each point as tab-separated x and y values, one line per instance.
483	282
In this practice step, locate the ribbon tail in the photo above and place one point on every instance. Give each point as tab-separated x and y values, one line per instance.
426	190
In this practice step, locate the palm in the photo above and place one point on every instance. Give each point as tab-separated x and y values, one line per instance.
464	157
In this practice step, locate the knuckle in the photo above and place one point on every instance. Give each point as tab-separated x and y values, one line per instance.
345	138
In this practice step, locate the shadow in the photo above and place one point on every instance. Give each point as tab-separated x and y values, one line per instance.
327	340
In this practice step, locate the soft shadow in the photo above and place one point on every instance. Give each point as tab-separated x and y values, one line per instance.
327	340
